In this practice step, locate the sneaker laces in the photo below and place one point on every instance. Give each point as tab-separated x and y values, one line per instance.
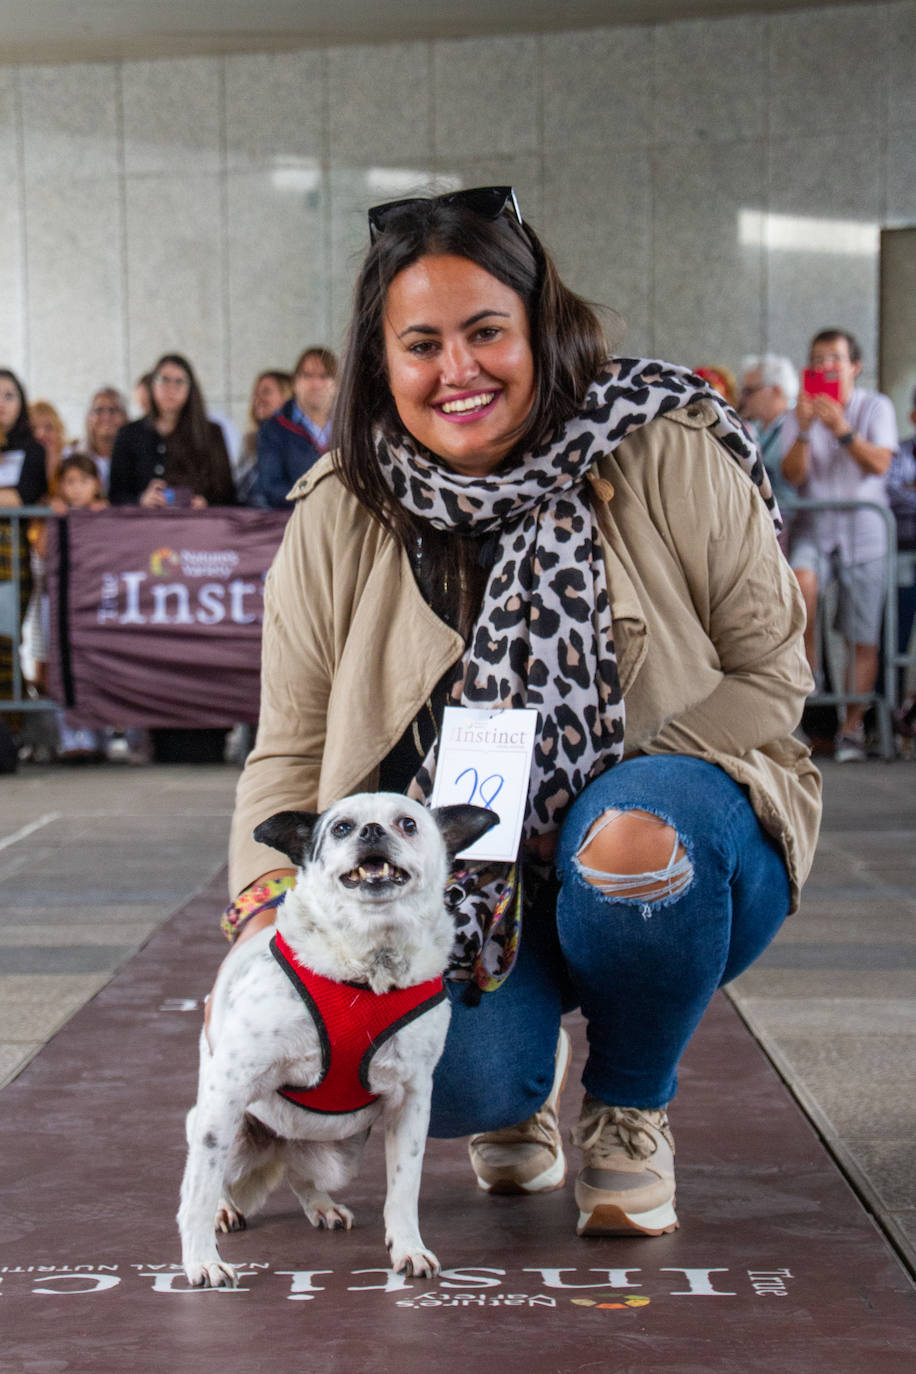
607	1129
539	1129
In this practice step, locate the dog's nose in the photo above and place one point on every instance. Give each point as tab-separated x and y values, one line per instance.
372	831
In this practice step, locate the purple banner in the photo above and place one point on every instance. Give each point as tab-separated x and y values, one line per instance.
156	615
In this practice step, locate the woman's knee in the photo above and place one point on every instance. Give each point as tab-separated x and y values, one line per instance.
634	855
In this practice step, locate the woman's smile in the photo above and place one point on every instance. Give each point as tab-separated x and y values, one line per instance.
460	366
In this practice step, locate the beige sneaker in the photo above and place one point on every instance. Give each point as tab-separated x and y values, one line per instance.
527	1158
627	1181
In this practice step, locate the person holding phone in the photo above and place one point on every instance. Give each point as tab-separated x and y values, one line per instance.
838	445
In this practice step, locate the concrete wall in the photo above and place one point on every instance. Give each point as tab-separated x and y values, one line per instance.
722	183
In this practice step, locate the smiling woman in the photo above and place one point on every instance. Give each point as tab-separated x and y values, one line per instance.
460	368
513	519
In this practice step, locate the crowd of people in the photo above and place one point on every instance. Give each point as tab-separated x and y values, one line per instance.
824	438
839	444
175	453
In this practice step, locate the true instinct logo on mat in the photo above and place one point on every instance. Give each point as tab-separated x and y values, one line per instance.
622	1290
181	587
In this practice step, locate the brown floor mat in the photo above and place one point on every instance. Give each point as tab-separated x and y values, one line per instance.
776	1266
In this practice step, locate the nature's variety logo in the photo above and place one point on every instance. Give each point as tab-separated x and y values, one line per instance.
611	1301
163	561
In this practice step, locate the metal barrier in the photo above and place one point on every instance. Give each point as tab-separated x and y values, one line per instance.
884	696
883	700
10	618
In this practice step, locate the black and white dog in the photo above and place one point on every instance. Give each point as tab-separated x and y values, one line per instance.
319	1026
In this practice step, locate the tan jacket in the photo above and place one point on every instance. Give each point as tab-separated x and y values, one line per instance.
708	627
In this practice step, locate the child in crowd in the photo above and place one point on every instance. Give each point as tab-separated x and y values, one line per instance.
76	486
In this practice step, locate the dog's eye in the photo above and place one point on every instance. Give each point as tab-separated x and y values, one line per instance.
341	828
408	825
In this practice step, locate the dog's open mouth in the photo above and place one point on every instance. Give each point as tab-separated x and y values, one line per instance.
373	872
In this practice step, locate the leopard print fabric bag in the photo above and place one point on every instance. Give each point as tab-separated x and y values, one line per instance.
544	636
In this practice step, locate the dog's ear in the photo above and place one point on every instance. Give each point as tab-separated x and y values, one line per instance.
462	825
291	832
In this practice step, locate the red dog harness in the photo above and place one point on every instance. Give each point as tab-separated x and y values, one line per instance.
352	1022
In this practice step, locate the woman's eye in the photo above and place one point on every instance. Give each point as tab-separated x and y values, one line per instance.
487	332
424	349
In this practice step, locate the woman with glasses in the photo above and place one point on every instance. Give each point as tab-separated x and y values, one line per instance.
174	455
512	518
107	413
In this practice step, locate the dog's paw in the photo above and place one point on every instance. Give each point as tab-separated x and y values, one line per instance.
328	1215
213	1273
412	1258
228	1219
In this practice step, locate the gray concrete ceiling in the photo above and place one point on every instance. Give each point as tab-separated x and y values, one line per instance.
100	30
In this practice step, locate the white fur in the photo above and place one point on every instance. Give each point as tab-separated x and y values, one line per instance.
263	1036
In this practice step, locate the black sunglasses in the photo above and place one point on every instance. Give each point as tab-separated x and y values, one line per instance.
488	202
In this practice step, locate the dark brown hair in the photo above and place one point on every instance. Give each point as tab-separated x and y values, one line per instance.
21	430
327	359
192	454
567	340
828	335
80	462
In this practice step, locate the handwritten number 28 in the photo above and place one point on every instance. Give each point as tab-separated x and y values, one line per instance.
488	788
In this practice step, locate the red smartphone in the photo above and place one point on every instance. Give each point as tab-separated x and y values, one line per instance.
819	384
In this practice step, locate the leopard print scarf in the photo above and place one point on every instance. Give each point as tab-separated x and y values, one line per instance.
544	636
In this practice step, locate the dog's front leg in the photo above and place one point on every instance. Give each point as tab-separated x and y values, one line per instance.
212	1131
405	1140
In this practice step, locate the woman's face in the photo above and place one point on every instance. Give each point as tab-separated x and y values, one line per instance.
460	366
171	385
77	489
10	404
47	433
267	397
105	417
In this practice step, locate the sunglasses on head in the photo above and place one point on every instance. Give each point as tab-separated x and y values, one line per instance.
488	202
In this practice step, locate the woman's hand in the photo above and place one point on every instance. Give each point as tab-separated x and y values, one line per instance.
542	847
199	503
154	498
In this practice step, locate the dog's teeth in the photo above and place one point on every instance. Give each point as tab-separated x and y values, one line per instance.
362	874
385	870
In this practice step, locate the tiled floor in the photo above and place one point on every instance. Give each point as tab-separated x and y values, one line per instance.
93	860
833	1000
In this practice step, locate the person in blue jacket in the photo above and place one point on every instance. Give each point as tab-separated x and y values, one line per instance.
296	436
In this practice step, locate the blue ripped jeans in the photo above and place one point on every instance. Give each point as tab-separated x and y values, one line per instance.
642	972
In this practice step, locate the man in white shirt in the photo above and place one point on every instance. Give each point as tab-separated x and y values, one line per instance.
841	450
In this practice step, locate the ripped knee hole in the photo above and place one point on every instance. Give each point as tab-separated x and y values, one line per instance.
636	856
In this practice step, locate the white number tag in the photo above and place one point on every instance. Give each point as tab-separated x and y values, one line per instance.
485	760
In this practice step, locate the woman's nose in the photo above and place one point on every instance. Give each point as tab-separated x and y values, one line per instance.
459	365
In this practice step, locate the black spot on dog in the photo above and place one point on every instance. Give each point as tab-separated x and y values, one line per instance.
210	1141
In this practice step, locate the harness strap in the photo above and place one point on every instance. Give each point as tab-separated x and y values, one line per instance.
352	1023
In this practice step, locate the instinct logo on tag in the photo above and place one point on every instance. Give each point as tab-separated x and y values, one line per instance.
485	760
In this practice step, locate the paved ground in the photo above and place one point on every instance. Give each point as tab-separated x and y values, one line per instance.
93	860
